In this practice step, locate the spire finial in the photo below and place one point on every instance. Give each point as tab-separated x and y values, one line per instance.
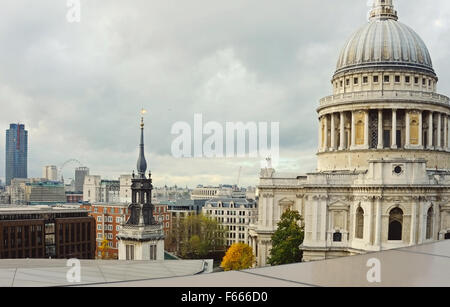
142	163
383	9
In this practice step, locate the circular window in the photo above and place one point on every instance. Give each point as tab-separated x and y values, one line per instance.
398	170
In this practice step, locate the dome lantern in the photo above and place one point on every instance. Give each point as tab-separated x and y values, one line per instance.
383	9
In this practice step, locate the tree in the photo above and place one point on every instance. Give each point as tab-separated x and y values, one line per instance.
287	239
238	257
196	236
104	248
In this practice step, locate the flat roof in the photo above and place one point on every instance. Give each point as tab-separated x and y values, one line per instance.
425	265
46	272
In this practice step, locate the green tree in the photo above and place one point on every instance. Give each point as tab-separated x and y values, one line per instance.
238	257
287	239
196	236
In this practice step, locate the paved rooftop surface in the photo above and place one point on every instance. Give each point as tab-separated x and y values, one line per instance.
424	265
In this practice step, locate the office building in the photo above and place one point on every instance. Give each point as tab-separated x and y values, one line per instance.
16	152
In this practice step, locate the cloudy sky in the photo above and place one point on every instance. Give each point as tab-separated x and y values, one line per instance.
78	87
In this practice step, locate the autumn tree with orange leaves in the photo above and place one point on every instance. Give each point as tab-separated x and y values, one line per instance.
238	257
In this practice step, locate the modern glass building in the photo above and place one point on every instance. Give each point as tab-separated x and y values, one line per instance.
16	152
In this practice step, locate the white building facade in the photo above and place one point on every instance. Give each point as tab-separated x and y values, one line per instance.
383	176
234	213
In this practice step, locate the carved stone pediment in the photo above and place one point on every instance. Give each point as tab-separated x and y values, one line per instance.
339	205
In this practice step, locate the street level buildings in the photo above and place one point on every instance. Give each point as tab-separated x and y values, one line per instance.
46	232
236	214
109	219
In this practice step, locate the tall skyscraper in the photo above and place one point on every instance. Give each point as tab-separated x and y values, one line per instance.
16	152
80	174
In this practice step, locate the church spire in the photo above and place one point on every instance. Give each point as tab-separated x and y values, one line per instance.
383	9
142	163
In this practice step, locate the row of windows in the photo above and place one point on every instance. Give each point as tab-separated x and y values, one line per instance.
395	231
386	79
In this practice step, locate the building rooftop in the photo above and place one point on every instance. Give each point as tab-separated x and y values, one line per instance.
46	273
423	265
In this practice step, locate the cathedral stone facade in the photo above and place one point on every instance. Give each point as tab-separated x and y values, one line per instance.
383	175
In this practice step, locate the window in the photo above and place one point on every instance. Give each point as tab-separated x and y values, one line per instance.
99	218
355	81
397	79
365	80
430	223
99	227
152	252
342	83
359	223
375	79
407	79
387	79
337	237
416	80
347	82
395	224
424	81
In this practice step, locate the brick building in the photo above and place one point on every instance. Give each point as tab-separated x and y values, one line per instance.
74	197
46	232
109	219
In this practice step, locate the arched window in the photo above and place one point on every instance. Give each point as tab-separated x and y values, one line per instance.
430	223
359	223
395	224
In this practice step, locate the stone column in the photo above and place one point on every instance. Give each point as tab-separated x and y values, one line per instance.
439	134
414	221
325	144
446	147
366	129
333	133
394	129
353	131
430	131
378	222
421	129
380	129
342	129
320	134
408	129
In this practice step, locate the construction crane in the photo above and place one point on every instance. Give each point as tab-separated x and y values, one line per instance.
239	177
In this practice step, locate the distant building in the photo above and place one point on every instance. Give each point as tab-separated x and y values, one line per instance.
43	232
110	217
16	152
50	173
74	197
44	193
17	191
234	213
96	190
80	175
125	189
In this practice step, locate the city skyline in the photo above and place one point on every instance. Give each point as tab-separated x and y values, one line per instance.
82	85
